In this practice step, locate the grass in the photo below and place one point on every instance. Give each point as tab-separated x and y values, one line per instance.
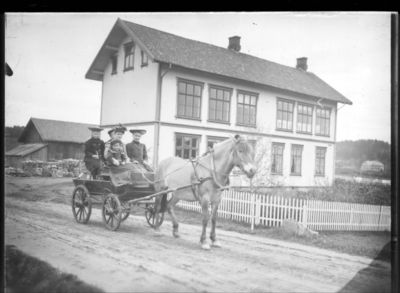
28	274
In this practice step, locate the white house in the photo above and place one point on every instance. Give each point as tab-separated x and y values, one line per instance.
189	95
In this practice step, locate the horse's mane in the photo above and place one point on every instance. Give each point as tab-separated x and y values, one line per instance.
241	145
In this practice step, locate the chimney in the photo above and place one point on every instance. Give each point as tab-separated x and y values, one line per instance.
302	63
234	43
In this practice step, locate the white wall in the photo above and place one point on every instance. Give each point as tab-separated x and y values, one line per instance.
266	107
264	176
129	96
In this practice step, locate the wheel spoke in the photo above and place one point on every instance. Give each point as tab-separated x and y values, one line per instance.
84	212
109	218
80	214
112	220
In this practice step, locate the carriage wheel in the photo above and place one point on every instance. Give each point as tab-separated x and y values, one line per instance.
125	214
112	212
150	216
81	204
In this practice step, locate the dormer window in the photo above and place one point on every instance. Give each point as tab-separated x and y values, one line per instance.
129	56
114	63
145	59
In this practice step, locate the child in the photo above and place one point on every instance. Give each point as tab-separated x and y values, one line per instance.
115	155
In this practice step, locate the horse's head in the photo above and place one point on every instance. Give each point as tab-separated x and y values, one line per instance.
243	156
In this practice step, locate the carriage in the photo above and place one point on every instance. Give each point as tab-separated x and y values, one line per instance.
117	202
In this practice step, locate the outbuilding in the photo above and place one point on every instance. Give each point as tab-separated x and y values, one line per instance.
49	140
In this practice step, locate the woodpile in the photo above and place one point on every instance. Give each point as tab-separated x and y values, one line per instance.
61	168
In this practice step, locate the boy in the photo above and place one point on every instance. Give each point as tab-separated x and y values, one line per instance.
115	154
94	152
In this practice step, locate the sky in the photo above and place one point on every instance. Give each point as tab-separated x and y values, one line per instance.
51	53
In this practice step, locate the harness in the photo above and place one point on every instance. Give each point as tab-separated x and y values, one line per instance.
199	180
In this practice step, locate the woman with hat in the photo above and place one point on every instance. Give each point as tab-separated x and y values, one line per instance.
94	152
136	150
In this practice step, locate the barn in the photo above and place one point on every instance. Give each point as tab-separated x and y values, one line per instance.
49	140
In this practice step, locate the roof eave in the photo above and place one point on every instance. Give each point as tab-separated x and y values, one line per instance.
90	74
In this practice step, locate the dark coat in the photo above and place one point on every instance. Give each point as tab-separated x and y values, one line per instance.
94	146
136	151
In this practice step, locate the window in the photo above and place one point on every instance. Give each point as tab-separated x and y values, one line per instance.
189	99
129	56
277	158
114	60
246	109
220	104
320	161
187	146
211	140
145	58
322	123
295	159
284	115
304	118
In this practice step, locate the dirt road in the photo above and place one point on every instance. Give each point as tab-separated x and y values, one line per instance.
135	258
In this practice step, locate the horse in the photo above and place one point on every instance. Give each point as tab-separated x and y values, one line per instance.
202	179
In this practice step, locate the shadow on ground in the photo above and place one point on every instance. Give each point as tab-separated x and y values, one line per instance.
362	283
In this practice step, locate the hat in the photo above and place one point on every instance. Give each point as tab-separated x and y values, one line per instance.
98	129
141	131
117	129
114	141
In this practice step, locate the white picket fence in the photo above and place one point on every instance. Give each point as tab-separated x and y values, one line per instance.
271	210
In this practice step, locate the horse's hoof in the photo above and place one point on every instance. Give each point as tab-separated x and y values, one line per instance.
205	246
176	234
216	243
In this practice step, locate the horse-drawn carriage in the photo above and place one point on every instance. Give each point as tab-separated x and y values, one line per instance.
202	179
116	201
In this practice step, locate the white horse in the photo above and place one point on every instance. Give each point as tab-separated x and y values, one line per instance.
203	180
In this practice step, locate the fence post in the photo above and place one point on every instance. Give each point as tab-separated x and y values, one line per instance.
351	218
380	219
258	210
252	210
305	211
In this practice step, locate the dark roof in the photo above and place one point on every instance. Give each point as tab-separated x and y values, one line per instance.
168	48
25	149
55	130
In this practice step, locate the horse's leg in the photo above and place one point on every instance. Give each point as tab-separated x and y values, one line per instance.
204	207
157	209
213	237
171	212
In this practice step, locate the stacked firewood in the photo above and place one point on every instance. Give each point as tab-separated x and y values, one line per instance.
60	168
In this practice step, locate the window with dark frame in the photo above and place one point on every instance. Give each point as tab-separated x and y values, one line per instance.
129	56
246	109
145	58
187	145
189	99
284	115
219	104
322	121
114	63
295	159
277	158
211	140
320	154
304	118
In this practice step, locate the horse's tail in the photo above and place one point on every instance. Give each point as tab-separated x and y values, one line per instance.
163	203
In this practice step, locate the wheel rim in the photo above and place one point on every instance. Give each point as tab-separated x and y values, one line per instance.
81	205
150	217
112	212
